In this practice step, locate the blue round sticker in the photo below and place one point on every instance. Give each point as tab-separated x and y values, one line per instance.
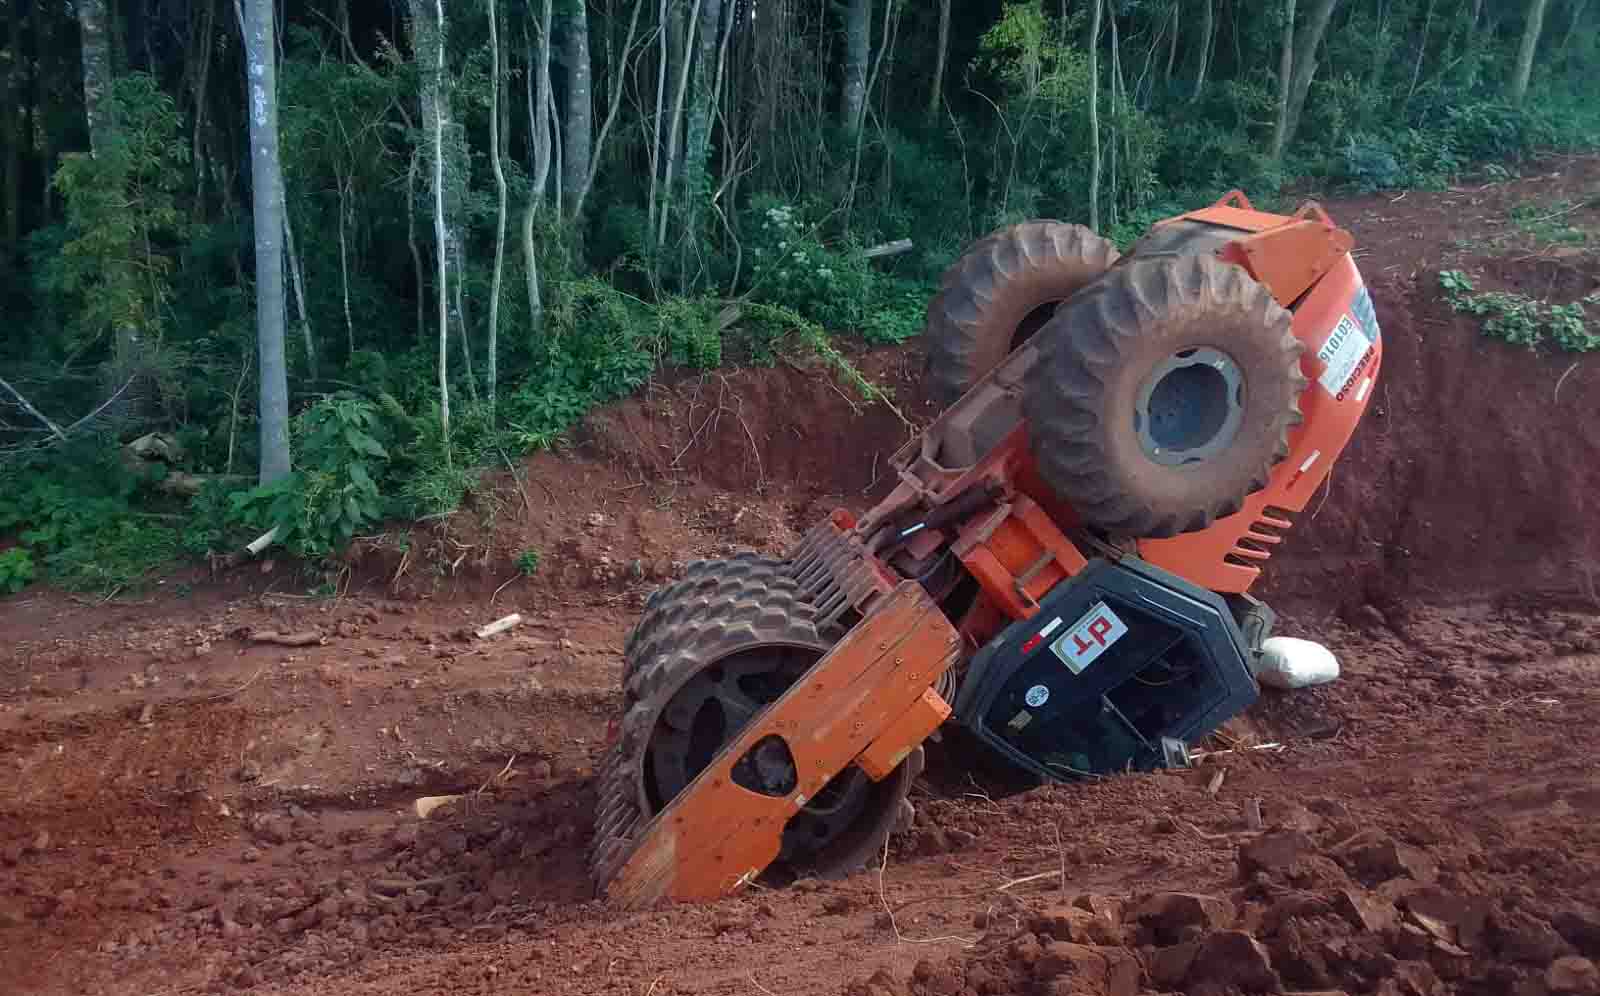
1037	696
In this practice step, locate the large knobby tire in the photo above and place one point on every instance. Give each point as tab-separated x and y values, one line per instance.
1165	395
1001	292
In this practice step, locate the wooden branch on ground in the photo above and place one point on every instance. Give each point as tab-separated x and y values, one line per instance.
27	406
309	638
896	248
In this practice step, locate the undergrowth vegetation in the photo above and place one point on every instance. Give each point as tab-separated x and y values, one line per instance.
778	193
1523	321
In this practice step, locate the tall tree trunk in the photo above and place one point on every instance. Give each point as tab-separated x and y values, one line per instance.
577	135
936	94
857	50
1280	131
39	100
1207	30
96	71
697	144
656	153
492	361
428	19
617	88
1308	41
1422	50
538	86
297	277
202	79
675	122
411	242
266	183
11	130
1530	44
1172	42
1094	117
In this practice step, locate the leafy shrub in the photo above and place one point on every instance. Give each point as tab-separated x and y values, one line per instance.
1519	319
16	570
528	562
74	511
333	492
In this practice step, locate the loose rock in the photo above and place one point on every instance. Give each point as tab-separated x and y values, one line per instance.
1572	976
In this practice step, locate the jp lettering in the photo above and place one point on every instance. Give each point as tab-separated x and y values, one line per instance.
1099	630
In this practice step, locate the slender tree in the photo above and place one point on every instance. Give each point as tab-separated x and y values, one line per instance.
1207	31
542	136
266	185
428	24
1530	44
492	371
857	50
96	71
11	92
1308	42
1094	116
579	123
1280	130
942	53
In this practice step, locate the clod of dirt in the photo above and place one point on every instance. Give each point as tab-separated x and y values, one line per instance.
932	979
1449	961
1275	853
1411	978
1370	913
1233	958
1373	857
1078	926
882	983
1174	917
1572	976
1522	937
837	905
1468	916
1581	928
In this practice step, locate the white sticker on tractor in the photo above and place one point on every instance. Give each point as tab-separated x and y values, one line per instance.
1037	696
1342	354
1089	637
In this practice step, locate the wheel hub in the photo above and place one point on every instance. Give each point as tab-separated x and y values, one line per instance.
1190	407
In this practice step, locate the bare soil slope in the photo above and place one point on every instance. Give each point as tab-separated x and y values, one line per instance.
186	809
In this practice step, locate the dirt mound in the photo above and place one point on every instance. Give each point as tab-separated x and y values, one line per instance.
1320	906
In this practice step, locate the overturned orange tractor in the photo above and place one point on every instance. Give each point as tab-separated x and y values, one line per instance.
1059	582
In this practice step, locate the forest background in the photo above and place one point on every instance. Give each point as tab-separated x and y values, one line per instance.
325	262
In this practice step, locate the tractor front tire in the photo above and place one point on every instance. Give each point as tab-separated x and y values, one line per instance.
999	293
1165	395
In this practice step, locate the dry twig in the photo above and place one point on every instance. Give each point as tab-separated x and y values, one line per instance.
884	901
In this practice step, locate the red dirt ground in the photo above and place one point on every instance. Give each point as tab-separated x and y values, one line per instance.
185	810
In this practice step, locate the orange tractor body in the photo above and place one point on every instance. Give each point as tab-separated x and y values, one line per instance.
776	709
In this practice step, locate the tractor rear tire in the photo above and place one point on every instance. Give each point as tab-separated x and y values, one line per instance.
1001	292
1165	395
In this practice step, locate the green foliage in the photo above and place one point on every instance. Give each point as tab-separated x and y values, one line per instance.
528	562
81	513
835	286
763	254
1548	222
113	270
333	493
16	570
1519	319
